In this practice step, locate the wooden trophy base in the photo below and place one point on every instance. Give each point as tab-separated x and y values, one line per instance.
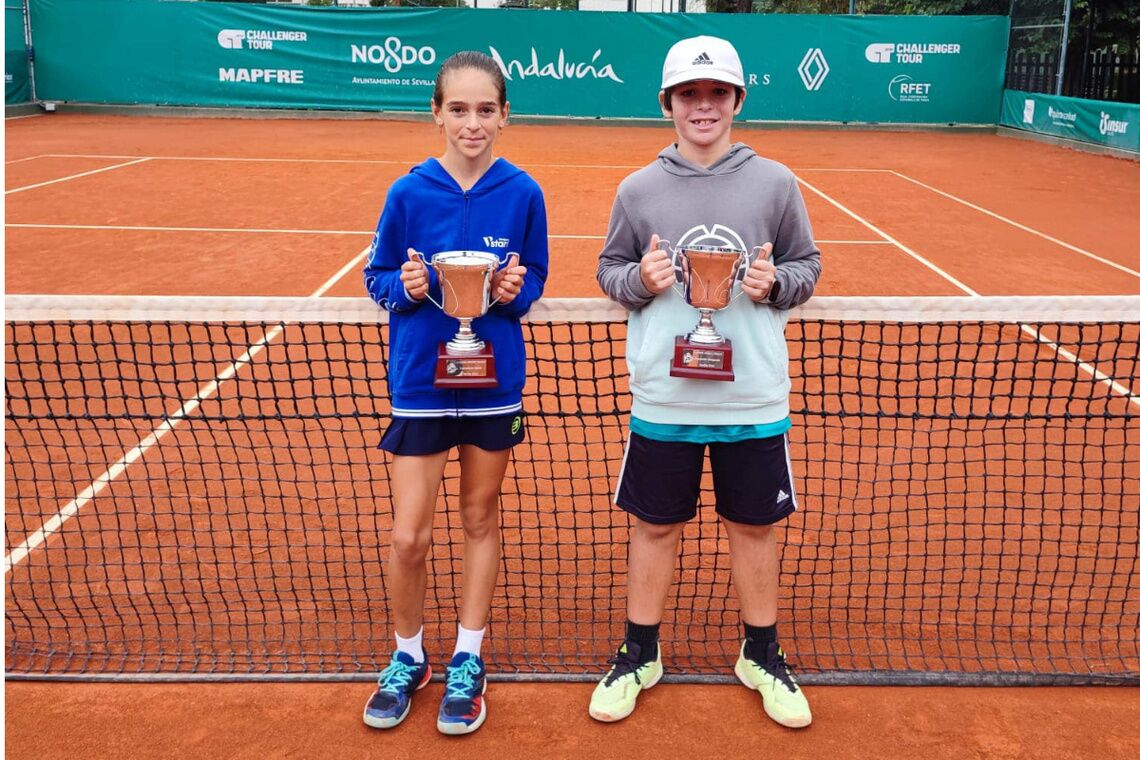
702	362
465	370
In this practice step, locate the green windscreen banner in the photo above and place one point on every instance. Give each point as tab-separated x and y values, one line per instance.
17	84
946	69
1115	125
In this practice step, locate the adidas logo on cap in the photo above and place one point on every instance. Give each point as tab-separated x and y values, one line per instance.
702	59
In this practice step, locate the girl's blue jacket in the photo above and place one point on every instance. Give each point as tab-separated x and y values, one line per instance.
426	210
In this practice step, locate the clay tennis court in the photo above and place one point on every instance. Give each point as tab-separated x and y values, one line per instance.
200	207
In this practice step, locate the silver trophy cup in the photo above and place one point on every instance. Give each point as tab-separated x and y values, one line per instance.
465	291
708	274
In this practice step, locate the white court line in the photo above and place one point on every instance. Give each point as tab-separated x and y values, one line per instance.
142	228
1020	226
942	273
27	158
271	160
1089	369
389	162
25	116
74	176
72	508
273	231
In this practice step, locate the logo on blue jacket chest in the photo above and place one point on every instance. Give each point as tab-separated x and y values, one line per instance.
496	242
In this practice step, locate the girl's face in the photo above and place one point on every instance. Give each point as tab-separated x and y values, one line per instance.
470	115
703	111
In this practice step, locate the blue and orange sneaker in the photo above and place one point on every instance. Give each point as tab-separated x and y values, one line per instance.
463	709
390	703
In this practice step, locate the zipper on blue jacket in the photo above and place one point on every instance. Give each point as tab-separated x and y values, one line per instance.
466	211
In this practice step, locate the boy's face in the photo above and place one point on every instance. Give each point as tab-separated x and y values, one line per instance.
702	111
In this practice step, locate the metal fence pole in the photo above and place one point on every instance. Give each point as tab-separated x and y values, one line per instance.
1064	45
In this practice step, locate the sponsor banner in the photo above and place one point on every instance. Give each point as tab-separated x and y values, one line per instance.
817	68
17	85
1115	125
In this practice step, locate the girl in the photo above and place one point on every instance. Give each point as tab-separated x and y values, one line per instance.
465	200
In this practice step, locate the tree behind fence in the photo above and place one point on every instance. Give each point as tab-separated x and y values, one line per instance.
1102	75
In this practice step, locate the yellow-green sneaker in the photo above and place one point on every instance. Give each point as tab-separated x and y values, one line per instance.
784	700
616	695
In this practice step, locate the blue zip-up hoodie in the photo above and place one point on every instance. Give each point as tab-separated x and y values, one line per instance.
426	210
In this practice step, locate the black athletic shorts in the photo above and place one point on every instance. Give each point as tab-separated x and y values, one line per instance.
661	480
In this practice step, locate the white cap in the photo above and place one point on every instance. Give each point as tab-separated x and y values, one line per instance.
702	58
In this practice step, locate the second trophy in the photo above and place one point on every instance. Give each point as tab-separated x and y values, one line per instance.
708	274
465	278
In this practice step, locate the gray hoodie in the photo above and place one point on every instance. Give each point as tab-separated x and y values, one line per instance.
741	201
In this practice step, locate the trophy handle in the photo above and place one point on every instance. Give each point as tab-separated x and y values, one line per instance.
416	255
742	266
512	260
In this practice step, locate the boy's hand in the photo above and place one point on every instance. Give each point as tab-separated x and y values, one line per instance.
506	283
760	276
414	275
657	268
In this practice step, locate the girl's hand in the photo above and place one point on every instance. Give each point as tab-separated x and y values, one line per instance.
507	283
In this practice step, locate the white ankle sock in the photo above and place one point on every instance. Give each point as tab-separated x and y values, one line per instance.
413	646
469	641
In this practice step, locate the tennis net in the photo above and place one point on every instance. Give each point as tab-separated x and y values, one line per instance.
193	491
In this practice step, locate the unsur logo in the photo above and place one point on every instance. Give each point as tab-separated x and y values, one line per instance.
1111	126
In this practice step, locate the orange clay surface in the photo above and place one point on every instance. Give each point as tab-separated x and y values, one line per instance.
297	203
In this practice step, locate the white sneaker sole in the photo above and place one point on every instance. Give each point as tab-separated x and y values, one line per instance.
614	717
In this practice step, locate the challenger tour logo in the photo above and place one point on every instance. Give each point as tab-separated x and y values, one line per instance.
257	39
559	68
908	52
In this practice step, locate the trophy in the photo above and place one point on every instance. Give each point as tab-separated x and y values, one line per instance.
465	361
708	274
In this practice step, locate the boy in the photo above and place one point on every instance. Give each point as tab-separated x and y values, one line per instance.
706	190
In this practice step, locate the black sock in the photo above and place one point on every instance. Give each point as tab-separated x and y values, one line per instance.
645	636
757	638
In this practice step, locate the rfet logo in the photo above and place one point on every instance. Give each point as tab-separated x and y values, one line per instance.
904	89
